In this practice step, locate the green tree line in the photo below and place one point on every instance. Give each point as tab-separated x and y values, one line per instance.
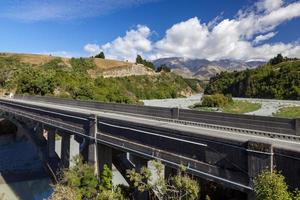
279	79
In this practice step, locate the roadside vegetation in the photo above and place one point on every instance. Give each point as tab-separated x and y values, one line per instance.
221	103
80	182
272	186
73	81
279	79
289	112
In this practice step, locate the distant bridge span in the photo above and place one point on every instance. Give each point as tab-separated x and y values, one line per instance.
225	148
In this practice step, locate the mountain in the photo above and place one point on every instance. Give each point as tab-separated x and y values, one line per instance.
203	68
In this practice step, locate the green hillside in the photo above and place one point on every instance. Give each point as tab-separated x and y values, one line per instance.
276	80
72	80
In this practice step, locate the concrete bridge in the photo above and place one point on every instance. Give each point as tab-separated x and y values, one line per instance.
224	148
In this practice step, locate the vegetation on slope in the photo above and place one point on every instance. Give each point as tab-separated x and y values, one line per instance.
279	79
73	81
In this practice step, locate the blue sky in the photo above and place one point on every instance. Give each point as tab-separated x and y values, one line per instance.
214	29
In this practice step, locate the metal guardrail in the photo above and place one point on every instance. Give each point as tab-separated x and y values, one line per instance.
45	119
288	127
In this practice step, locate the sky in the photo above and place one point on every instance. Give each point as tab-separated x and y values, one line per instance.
205	29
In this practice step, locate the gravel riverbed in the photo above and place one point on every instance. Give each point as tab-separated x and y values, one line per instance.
268	106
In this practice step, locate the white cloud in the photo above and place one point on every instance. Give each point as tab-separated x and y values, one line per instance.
92	49
268	5
258	39
65	54
243	37
136	41
40	10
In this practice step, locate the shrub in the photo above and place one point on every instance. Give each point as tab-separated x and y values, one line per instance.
180	186
216	100
271	186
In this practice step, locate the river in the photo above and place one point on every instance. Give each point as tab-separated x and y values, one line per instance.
22	176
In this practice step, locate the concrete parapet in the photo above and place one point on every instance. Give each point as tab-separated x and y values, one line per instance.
297	126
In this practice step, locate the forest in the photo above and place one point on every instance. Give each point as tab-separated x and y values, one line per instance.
278	79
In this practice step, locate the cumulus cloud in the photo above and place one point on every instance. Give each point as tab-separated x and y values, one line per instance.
92	49
260	38
268	5
242	37
136	41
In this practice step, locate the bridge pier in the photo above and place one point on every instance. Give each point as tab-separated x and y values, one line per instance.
139	162
65	150
88	151
51	143
260	157
169	172
104	157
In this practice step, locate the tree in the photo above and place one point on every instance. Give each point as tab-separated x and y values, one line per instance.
276	60
106	178
179	187
100	55
163	68
140	60
80	182
271	186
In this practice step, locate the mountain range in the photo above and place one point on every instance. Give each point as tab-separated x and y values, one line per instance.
204	69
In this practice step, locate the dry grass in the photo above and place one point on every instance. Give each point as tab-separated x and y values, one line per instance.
102	65
38	59
109	64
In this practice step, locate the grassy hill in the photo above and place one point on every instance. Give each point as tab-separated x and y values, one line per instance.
274	81
86	78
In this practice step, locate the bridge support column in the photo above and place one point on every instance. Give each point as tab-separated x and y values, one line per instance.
65	150
88	150
51	143
139	163
104	157
169	172
122	163
260	157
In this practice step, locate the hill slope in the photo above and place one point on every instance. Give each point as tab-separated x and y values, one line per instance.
280	81
83	78
204	69
103	67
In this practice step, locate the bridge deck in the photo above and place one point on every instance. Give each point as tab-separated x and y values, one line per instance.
231	137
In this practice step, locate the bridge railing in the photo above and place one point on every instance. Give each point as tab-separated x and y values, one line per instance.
283	126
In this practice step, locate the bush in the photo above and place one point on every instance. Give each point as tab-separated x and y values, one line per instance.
100	55
80	182
271	186
216	100
180	186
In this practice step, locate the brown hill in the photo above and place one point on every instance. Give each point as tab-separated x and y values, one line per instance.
104	67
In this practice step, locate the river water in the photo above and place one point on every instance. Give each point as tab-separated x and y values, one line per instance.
22	176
